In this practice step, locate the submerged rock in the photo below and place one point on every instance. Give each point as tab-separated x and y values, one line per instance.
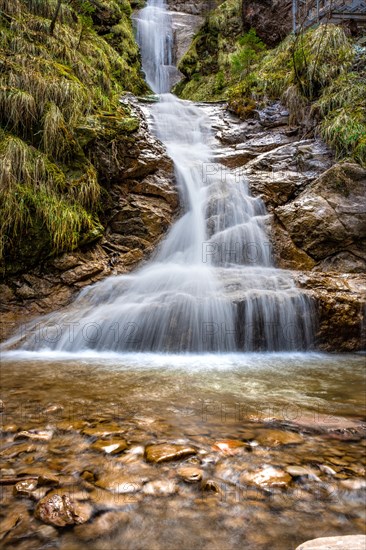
164	452
110	446
60	510
268	477
190	474
275	438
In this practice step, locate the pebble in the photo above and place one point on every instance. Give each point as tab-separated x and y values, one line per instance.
15	450
24	488
190	474
229	446
275	438
164	452
110	446
268	477
35	435
120	483
102	430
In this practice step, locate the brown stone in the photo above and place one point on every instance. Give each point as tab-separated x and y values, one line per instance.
190	474
164	452
276	438
60	510
268	477
103	525
110	446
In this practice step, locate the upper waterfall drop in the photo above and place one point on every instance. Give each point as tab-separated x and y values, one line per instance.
155	38
200	292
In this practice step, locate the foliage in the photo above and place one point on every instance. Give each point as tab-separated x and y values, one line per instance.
50	86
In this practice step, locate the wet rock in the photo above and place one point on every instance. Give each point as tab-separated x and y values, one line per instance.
53	408
268	477
276	438
160	487
103	430
82	272
300	471
190	474
60	510
110	446
25	488
117	482
103	525
210	485
329	217
270	19
350	542
164	452
35	435
229	446
2	405
15	450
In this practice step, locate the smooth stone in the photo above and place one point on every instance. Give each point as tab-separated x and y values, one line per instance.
160	487
25	488
298	471
2	405
53	408
350	542
35	435
110	446
15	450
190	474
60	510
164	452
268	477
211	485
120	483
70	425
229	446
102	430
327	470
276	438
103	525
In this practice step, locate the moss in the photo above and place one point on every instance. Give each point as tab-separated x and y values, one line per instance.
315	72
56	92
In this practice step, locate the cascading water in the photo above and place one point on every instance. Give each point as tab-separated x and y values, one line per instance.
201	292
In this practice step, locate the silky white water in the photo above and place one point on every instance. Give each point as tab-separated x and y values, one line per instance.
211	285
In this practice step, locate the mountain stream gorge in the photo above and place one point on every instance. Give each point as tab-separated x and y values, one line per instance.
186	404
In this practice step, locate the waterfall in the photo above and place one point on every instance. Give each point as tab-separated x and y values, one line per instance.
212	285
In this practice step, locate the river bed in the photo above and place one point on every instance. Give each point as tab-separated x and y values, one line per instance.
276	441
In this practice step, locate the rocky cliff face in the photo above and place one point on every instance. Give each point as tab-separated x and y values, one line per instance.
270	18
140	201
316	215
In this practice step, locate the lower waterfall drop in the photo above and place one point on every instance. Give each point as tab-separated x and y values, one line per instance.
200	293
